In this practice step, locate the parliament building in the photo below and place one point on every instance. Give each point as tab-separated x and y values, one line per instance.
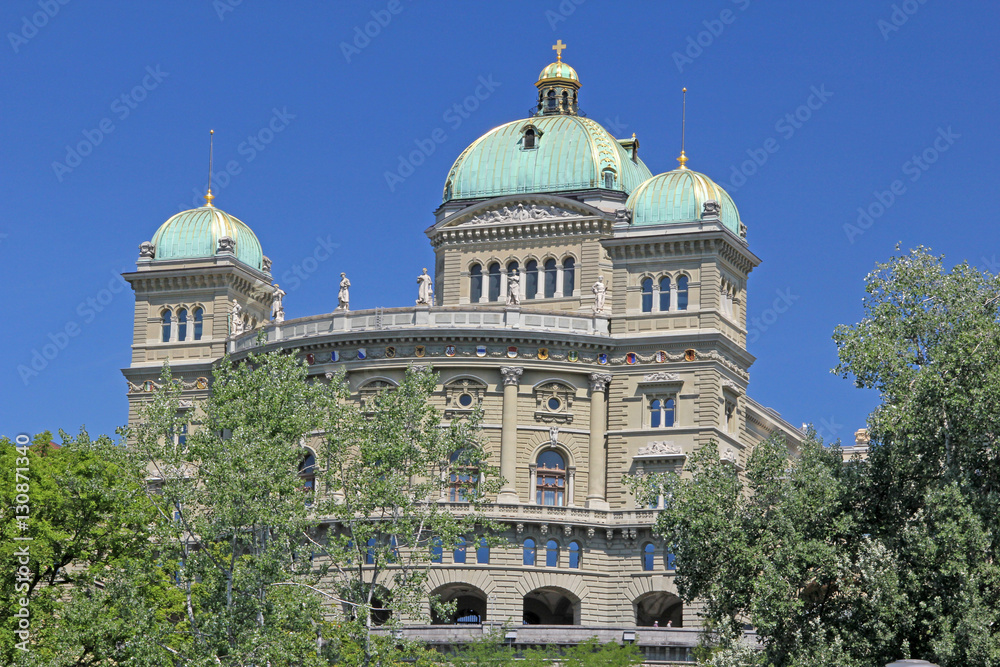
598	314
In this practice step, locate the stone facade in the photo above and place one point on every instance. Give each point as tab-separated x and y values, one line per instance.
574	400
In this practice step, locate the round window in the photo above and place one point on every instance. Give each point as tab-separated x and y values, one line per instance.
465	400
554	404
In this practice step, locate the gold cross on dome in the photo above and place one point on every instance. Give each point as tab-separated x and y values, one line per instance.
558	48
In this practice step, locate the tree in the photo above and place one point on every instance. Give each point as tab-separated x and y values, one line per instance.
294	520
865	562
86	516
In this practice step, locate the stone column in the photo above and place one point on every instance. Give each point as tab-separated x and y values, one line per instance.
508	434
597	473
570	486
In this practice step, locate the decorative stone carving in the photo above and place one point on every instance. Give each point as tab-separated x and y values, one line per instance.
660	447
520	528
599	381
266	262
610	533
710	210
328	375
419	369
623	216
567	530
514	288
277	308
554	436
553	402
147	250
630	533
521	213
511	375
185	403
227	244
236	319
600	291
344	294
732	386
425	289
661	376
728	456
544	529
590	533
743	231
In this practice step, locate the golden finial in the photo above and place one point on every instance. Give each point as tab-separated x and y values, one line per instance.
211	141
683	158
558	48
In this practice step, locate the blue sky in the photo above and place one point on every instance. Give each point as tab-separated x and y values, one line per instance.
805	112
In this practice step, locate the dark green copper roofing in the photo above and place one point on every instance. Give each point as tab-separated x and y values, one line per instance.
678	196
196	233
571	153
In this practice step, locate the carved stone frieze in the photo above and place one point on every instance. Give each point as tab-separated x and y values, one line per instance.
521	213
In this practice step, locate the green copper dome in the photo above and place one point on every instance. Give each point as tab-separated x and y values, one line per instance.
678	196
570	153
196	233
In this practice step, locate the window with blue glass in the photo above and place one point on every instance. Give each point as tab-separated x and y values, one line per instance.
528	556
648	557
437	550
199	316
459	553
647	295
551	554
475	283
483	552
682	293
664	294
165	319
550	479
575	551
662	412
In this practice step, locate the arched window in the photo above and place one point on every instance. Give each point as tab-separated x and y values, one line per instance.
198	324
437	550
551	554
182	324
307	471
647	295
166	326
661	412
459	552
682	293
550	484
671	560
483	552
494	294
565	100
475	283
552	99
529	138
550	278
569	276
529	552
574	555
648	557
664	294
531	280
370	554
464	475
609	179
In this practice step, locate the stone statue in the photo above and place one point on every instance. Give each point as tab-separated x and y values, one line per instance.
236	319
344	295
147	250
600	290
514	288
266	262
425	290
710	209
227	244
277	308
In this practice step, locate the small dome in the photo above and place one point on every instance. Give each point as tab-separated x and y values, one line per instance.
569	153
678	196
559	70
195	234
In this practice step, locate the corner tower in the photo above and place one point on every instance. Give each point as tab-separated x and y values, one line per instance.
202	277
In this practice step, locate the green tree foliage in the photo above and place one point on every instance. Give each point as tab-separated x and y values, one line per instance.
86	516
865	562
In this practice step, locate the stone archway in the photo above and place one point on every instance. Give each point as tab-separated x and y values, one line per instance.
660	609
551	606
470	605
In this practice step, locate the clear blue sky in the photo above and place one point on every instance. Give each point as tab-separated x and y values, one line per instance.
924	80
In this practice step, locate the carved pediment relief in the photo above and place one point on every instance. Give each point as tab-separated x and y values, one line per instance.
520	213
661	376
661	449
